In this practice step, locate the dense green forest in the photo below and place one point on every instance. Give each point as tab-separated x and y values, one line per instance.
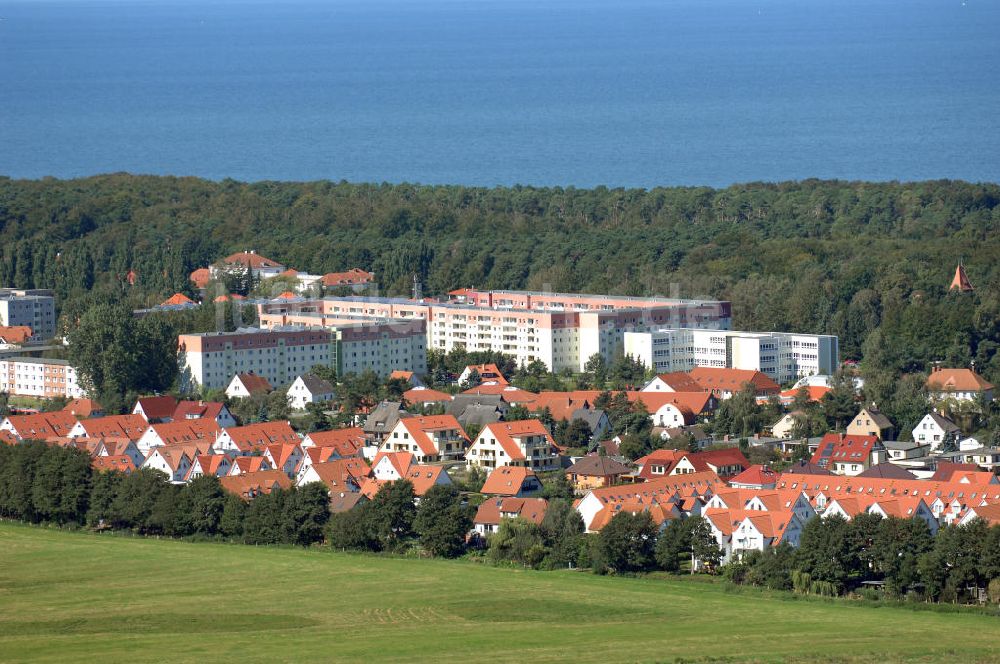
867	262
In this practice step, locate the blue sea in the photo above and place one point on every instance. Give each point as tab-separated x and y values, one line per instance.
484	92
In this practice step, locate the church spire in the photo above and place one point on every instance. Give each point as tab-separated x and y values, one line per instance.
961	281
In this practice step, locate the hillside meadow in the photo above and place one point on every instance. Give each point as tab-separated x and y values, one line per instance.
75	597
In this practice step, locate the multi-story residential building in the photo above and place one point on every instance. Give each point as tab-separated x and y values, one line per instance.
39	377
784	356
279	353
524	443
32	308
561	330
428	439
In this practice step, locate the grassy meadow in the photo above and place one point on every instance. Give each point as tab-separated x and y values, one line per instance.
78	597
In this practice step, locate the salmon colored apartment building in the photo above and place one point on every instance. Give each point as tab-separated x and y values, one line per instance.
562	330
39	377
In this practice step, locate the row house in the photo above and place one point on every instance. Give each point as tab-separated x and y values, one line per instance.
494	510
665	497
246	439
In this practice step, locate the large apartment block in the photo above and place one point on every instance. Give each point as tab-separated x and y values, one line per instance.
280	353
783	356
39	377
561	330
34	308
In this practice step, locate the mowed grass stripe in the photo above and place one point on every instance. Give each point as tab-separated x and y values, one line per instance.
84	597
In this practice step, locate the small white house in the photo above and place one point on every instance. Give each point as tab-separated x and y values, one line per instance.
172	463
307	389
936	430
784	427
244	385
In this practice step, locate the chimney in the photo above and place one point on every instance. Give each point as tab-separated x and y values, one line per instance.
841	436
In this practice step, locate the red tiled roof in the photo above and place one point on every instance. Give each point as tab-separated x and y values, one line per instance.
401	461
343	474
834	448
252	484
42	426
176	299
119	462
352	277
815	392
187	431
425	395
193	410
254	383
506	480
490	511
130	427
14	334
488	373
260	435
83	407
157	408
345	442
681	382
957	380
756	475
732	380
253	259
419	427
201	277
506	432
508	393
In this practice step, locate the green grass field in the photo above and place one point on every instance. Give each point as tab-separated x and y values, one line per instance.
71	597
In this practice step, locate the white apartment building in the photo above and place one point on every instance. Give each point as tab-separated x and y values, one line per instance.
34	308
562	330
783	356
281	353
39	377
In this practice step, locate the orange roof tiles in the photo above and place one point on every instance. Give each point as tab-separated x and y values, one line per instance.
488	373
14	334
506	480
41	426
83	407
260	435
425	395
732	380
249	464
157	408
346	442
201	277
251	485
187	431
505	434
508	393
250	258
115	426
957	380
120	462
353	277
254	383
176	299
419	427
491	511
680	382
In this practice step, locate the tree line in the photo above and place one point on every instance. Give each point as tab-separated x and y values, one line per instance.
881	557
869	555
50	484
853	259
